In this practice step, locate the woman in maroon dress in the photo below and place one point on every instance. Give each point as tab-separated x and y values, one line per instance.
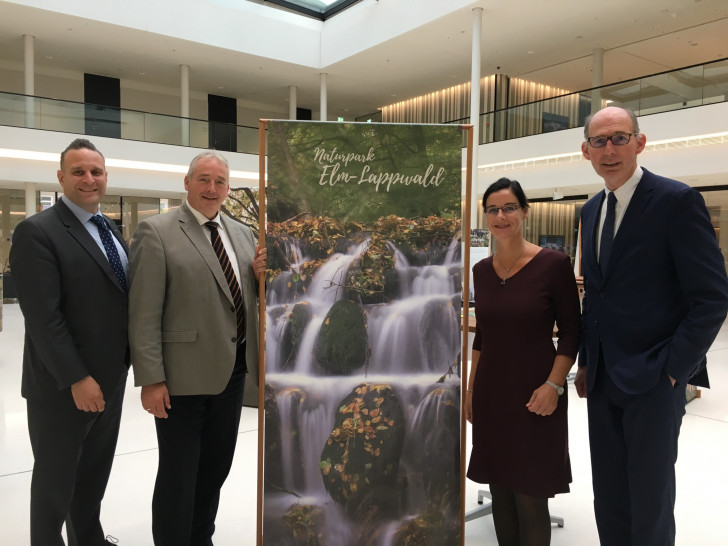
516	398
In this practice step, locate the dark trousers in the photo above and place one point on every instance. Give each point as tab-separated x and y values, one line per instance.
633	440
196	448
73	452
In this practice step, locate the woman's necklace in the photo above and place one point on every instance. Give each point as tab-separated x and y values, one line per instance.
508	269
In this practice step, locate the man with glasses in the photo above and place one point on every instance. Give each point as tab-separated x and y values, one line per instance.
656	295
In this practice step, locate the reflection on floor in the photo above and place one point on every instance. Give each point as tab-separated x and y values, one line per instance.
702	467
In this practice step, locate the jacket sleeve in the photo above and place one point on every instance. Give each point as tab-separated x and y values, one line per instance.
39	282
147	275
702	277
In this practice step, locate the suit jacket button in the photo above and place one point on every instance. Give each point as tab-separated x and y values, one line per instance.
233	339
602	295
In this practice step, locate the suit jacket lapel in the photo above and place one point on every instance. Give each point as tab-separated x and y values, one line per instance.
83	237
631	220
590	229
197	236
242	249
116	233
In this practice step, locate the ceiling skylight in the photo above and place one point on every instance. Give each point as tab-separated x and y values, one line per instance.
321	9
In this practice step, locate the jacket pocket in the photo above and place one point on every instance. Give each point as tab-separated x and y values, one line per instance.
179	336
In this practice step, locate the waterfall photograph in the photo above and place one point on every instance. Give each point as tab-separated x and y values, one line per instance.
363	340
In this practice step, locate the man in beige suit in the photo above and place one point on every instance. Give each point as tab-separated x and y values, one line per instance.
193	329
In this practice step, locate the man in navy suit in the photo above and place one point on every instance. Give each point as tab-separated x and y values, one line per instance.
656	295
70	264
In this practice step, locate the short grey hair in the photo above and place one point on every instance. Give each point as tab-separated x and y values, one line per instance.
208	154
632	116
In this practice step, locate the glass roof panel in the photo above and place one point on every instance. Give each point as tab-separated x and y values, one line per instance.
321	9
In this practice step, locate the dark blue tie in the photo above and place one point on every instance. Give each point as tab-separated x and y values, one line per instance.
605	244
111	253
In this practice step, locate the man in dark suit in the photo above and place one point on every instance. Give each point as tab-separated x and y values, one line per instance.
656	295
193	325
69	264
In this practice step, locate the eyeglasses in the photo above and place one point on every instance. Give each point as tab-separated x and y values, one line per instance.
507	209
620	139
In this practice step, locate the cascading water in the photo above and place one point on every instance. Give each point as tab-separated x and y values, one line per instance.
412	340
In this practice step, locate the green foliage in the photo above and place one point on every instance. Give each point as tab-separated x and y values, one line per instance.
304	183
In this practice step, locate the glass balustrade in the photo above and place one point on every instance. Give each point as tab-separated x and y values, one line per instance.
674	90
73	117
668	91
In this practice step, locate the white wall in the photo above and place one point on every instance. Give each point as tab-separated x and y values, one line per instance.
575	174
256	29
14	173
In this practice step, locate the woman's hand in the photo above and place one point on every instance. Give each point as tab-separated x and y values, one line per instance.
543	400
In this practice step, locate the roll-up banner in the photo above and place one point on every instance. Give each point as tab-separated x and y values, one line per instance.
362	442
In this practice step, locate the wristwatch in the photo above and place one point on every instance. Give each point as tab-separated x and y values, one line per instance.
559	390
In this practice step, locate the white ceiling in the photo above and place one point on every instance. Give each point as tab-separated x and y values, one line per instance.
547	41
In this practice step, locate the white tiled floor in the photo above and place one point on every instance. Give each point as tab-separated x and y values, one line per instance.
702	467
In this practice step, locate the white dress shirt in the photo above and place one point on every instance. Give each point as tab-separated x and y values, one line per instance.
201	218
84	217
624	195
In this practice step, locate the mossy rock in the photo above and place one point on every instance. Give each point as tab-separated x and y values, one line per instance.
273	453
432	528
341	347
276	258
360	461
297	323
306	524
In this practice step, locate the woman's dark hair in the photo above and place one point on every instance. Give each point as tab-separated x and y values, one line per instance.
507	184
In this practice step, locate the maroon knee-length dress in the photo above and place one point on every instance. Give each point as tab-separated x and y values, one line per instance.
512	446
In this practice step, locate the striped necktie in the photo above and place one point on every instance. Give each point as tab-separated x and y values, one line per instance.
229	273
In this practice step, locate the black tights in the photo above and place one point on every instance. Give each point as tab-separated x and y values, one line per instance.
520	520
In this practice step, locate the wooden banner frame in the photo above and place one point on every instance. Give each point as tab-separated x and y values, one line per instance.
466	220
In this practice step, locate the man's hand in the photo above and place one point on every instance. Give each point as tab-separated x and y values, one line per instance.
87	395
155	399
580	381
259	263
